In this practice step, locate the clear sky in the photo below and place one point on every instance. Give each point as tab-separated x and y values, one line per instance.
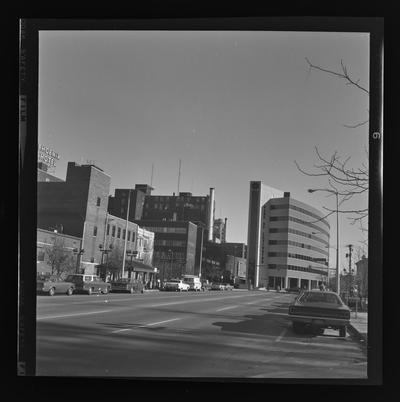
232	106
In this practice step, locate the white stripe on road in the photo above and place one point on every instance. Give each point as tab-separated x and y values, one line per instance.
226	308
146	325
281	335
50	317
197	300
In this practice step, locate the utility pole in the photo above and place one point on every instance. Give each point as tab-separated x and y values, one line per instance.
350	246
126	233
179	175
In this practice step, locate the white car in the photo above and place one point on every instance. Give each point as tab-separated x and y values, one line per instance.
177	285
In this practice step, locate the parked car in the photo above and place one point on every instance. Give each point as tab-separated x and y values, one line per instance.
54	284
217	286
318	310
129	285
205	285
176	285
193	281
228	286
89	284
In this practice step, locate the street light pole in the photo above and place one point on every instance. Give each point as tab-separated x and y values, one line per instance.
337	234
126	233
337	245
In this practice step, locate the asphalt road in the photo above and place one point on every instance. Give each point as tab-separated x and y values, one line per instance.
165	334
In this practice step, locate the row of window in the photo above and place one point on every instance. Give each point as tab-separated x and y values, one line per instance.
296	244
163	198
303	211
169	256
116	230
293	255
299	233
297	220
298	268
174	243
166	229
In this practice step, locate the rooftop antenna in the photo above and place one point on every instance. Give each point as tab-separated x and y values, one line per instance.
179	175
152	168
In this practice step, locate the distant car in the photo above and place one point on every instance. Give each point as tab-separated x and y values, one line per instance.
228	286
205	286
126	285
217	286
53	284
89	284
176	285
318	310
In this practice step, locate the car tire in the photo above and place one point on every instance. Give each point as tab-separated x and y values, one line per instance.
298	327
51	291
105	291
70	291
342	331
319	331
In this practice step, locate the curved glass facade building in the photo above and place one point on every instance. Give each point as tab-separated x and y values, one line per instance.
288	241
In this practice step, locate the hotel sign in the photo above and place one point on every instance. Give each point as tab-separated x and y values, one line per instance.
47	156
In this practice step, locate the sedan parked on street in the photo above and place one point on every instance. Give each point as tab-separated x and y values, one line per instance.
217	286
126	285
228	286
176	285
89	284
51	285
318	310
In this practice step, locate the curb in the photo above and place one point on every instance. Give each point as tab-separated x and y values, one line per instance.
363	337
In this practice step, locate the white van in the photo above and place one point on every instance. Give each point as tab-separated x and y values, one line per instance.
193	281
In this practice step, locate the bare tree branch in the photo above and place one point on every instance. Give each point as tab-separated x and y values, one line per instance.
344	75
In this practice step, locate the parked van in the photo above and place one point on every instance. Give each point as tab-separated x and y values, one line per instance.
193	281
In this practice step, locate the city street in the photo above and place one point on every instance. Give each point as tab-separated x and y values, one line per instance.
236	333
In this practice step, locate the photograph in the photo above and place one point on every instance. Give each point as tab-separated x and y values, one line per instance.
203	204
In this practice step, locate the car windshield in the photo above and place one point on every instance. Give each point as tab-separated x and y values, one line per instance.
174	281
123	280
319	297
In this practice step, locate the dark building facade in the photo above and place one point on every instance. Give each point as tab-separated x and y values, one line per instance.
174	246
77	207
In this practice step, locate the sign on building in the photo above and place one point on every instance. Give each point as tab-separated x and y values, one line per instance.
47	156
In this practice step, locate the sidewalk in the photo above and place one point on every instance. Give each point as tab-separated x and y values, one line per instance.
359	325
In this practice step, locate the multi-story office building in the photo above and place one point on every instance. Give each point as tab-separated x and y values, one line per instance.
157	210
288	241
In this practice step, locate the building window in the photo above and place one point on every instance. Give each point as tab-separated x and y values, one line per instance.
40	255
98	201
133	236
129	235
119	233
95	231
113	231
123	234
108	229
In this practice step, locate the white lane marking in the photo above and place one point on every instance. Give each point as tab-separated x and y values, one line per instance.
195	301
146	325
161	322
281	335
226	308
50	317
